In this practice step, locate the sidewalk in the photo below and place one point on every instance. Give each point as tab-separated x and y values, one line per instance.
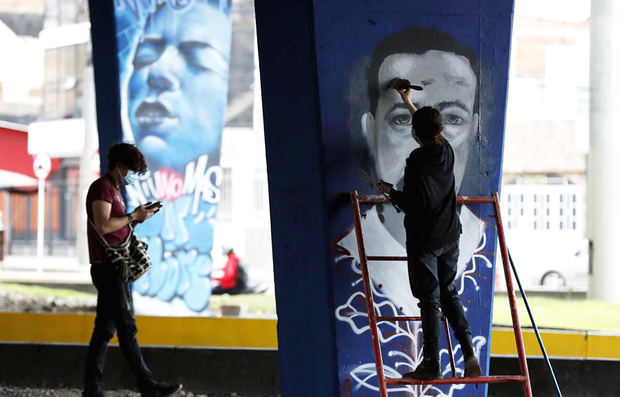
53	270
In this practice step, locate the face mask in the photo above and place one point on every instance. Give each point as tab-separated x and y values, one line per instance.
130	178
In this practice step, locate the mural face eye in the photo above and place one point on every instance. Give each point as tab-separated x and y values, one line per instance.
202	57
456	123
147	53
195	55
453	119
401	122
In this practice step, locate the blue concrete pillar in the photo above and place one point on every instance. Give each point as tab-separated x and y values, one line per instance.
299	214
107	88
330	120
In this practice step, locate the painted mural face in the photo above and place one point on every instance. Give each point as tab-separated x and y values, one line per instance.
449	86
180	59
431	59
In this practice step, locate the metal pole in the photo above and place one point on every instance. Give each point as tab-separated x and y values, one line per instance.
529	312
527	388
87	172
40	224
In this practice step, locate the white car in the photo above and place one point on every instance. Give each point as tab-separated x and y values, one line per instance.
548	265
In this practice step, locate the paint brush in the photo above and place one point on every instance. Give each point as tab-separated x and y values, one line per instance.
374	183
403	84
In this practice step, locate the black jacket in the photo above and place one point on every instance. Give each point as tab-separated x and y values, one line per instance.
429	199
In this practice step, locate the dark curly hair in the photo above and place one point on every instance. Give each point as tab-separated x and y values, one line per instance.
128	155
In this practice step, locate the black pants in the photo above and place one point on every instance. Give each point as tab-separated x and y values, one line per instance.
112	315
431	275
218	290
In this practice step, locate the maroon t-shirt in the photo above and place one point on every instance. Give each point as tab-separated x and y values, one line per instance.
103	189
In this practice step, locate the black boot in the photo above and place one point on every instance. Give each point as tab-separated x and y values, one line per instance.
160	390
427	370
472	366
92	393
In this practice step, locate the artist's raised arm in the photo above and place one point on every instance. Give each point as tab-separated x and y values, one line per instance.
405	94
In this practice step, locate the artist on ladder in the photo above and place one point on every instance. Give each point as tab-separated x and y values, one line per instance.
432	228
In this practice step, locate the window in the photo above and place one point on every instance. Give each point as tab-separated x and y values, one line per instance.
261	194
62	91
224	210
553	207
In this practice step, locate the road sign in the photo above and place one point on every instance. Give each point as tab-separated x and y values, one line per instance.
42	165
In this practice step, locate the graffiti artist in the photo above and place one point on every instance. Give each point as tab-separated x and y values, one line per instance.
432	229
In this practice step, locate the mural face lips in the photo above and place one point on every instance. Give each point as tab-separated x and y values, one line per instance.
151	115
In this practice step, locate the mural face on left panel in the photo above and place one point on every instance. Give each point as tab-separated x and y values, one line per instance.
173	64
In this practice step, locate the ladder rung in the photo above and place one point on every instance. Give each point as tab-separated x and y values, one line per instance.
475	200
398	318
375	198
386	258
451	381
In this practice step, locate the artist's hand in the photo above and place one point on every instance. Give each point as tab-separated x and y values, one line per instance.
405	94
384	187
403	86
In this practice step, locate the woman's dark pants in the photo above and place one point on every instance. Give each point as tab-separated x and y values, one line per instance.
431	275
112	315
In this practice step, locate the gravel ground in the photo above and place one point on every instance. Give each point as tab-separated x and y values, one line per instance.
17	302
28	392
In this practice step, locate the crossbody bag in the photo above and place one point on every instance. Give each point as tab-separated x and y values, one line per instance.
129	255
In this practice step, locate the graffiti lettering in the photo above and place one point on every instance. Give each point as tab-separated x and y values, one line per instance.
170	184
200	181
203	182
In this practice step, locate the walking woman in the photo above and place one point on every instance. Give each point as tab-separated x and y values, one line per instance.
108	218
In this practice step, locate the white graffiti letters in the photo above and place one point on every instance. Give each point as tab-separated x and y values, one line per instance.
203	181
200	181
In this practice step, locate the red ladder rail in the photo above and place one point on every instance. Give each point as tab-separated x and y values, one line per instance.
373	319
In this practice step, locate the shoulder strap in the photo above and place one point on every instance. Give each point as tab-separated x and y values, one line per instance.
101	239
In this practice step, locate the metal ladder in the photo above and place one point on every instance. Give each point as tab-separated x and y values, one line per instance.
523	378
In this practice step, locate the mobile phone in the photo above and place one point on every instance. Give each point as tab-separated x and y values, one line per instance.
154	205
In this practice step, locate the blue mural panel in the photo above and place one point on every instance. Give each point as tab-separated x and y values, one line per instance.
459	53
173	61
